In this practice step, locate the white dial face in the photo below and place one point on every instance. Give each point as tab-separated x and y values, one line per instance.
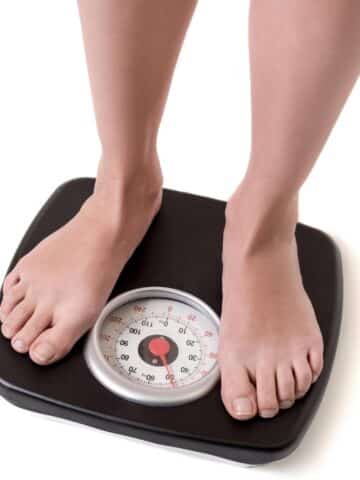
160	342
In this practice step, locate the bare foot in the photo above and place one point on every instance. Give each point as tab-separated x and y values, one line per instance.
271	348
55	293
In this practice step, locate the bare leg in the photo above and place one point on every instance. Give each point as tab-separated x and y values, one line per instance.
55	293
305	58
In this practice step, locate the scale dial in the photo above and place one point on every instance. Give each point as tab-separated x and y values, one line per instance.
156	346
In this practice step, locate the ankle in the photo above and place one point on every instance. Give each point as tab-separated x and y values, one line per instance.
261	216
118	176
122	182
120	199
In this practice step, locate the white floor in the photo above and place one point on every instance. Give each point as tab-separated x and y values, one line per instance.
48	136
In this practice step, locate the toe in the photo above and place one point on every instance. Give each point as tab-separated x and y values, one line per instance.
267	401
35	325
11	279
316	362
238	394
55	342
11	298
303	375
17	318
285	386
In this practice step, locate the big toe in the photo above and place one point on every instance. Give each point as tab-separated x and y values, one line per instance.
55	342
238	393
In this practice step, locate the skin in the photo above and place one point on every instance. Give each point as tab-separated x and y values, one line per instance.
131	48
304	59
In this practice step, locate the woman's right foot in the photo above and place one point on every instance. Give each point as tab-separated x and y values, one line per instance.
56	292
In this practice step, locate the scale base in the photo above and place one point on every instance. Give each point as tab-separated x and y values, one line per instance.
181	250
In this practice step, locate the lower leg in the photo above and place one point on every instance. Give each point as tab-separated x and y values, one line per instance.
55	293
305	58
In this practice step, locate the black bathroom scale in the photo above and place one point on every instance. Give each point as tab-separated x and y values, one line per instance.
148	369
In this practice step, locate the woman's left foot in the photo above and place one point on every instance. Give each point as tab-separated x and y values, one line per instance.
271	348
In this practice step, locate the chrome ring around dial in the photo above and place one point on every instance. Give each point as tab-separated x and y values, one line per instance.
155	346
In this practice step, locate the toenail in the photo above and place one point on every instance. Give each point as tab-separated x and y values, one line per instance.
286	404
19	346
6	330
44	352
243	406
269	412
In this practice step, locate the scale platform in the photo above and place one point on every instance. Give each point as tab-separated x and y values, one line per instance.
181	250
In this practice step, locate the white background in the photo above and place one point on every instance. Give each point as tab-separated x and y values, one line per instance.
47	135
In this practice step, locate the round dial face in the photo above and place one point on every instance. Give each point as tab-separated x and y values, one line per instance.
155	346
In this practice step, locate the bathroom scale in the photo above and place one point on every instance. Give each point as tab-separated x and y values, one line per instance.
148	369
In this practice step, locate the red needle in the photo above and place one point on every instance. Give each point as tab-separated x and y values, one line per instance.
160	347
